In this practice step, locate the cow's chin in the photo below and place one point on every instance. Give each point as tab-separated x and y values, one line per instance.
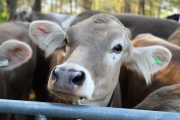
68	98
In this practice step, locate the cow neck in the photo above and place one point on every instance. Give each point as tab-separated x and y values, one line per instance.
110	102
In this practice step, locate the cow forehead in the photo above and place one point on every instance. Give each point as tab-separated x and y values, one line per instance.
99	28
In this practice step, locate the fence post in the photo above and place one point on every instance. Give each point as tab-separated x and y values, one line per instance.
40	117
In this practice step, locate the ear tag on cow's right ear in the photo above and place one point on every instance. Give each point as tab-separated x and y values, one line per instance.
158	61
3	62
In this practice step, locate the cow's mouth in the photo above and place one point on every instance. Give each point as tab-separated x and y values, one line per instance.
67	98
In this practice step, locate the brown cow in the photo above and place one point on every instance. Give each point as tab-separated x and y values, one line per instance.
175	37
17	81
135	89
95	50
163	99
43	64
13	55
138	24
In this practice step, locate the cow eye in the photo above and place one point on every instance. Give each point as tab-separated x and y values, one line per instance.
117	48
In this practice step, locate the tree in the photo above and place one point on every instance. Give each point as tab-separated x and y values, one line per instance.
127	6
37	6
141	9
70	2
87	4
61	4
3	11
11	7
151	8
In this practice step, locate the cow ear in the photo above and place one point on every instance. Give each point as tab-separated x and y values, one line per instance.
149	60
14	53
47	35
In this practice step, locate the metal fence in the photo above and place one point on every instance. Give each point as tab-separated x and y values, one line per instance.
43	109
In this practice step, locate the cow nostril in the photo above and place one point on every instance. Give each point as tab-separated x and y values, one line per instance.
54	75
79	78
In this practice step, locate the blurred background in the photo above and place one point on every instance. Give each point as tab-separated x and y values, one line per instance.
156	8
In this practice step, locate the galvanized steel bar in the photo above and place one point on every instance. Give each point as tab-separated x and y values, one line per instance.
40	117
83	112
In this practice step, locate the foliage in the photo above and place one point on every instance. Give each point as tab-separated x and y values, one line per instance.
156	8
3	12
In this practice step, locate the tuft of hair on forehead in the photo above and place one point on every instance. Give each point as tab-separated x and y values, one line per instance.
106	18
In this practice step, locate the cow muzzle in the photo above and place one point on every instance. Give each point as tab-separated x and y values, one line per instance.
71	83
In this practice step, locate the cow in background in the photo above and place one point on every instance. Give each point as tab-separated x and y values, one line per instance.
43	64
138	24
175	37
13	55
24	15
95	50
20	55
166	98
175	17
134	89
162	99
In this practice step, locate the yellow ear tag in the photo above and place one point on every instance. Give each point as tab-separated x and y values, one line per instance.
158	61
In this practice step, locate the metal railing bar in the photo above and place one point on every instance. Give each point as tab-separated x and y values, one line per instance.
80	111
40	117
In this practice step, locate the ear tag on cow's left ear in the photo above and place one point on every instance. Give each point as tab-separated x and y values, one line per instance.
158	61
3	62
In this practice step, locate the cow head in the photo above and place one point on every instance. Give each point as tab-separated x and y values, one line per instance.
95	50
20	16
14	53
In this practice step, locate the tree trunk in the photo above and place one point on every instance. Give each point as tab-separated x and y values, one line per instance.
122	7
76	5
151	8
37	6
61	3
52	2
159	9
70	6
127	6
11	6
141	9
178	5
87	4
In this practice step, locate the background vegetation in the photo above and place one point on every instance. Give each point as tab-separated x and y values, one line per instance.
156	8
